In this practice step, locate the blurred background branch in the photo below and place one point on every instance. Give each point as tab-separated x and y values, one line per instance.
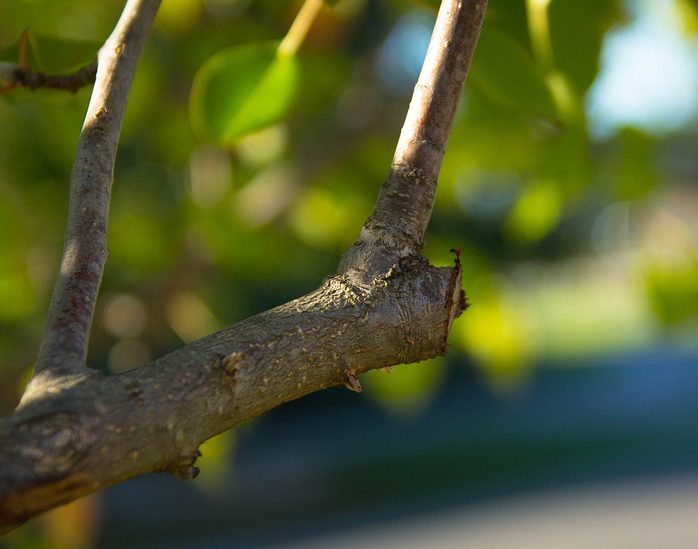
15	75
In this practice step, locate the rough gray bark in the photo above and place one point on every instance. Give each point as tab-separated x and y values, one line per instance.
76	431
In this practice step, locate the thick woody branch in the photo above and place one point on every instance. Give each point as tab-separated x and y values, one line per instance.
103	431
76	433
14	75
64	344
403	208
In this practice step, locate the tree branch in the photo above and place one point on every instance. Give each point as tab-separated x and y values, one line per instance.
15	75
79	433
403	208
154	418
64	344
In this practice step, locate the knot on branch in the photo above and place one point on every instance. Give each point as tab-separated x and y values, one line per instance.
184	467
229	364
377	250
413	305
344	290
404	265
52	444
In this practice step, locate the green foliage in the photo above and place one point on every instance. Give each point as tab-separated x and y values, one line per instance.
535	213
673	290
636	173
406	390
506	73
205	236
242	90
577	30
66	19
50	54
572	246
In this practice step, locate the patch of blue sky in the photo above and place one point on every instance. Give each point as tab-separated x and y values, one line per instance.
649	74
401	56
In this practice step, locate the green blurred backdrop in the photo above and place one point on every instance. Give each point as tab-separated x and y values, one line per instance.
569	182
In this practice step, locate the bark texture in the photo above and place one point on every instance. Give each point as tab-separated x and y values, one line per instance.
97	432
76	431
402	212
64	344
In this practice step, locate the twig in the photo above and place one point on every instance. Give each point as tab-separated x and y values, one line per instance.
300	27
64	344
396	228
15	75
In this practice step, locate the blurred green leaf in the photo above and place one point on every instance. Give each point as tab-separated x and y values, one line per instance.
635	172
51	54
566	160
407	388
433	4
673	291
536	212
79	19
500	338
328	217
138	241
242	90
509	17
688	10
505	71
216	463
16	293
577	30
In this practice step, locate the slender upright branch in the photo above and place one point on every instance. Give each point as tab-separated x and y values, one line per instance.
64	344
13	74
403	208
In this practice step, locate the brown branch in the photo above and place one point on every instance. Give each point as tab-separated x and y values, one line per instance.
403	208
153	418
79	433
64	344
15	75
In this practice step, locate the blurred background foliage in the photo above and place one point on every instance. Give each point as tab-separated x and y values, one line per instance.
569	180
